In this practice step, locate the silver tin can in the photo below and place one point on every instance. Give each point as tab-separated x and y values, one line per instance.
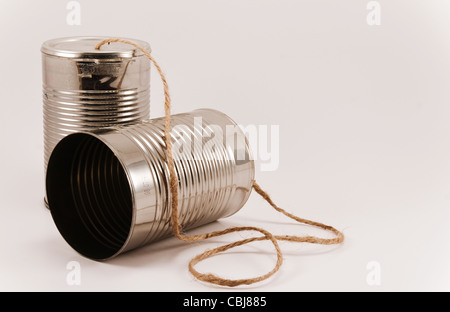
85	89
108	190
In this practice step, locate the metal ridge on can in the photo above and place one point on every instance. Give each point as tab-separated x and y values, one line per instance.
84	47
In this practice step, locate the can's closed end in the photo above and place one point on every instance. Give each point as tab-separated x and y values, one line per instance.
84	48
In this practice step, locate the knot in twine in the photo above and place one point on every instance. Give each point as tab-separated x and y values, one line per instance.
175	222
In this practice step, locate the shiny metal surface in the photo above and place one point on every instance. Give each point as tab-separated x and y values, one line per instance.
84	48
108	189
85	89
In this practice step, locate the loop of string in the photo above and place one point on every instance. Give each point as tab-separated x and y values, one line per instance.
175	222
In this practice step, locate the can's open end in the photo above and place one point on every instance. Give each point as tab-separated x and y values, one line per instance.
89	196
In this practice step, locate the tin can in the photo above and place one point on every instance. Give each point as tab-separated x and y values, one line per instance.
85	89
108	190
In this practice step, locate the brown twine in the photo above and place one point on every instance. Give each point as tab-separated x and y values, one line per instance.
176	226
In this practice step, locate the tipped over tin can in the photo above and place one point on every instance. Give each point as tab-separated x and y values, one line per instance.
86	89
108	190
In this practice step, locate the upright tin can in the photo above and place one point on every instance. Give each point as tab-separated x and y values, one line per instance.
86	89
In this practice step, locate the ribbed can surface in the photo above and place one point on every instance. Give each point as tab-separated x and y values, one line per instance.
86	89
108	190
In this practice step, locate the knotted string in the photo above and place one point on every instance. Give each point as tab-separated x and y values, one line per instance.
175	222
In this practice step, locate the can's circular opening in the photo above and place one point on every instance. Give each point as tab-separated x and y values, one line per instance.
89	196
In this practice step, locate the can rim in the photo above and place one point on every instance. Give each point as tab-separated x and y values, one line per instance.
67	47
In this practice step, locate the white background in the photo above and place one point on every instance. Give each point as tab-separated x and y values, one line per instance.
363	113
